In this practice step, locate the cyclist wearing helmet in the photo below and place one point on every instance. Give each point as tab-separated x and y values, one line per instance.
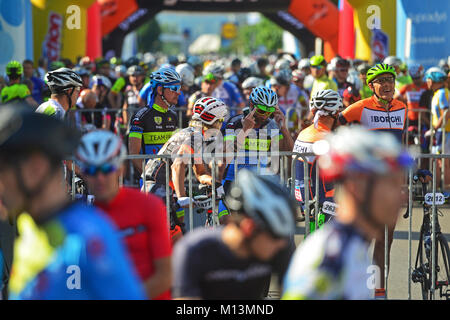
262	128
236	261
136	78
341	74
186	73
381	111
325	107
15	91
208	85
201	135
140	218
401	79
318	71
226	91
248	85
153	125
65	86
365	91
85	77
436	79
411	93
65	250
333	262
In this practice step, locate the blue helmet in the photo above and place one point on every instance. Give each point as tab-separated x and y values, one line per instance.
436	74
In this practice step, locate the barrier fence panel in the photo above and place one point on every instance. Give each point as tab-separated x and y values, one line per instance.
289	173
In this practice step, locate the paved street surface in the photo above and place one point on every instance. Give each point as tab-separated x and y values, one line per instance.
398	276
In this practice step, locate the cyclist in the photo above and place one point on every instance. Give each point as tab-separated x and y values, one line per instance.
305	66
65	87
153	125
381	112
325	107
318	71
200	136
236	261
140	218
208	85
248	85
333	263
15	91
38	83
226	91
410	94
341	74
365	91
436	79
262	128
65	250
186	73
136	77
401	79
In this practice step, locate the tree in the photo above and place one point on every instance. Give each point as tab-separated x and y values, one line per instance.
148	36
264	33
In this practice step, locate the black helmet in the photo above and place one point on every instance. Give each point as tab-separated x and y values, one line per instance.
133	61
243	74
22	131
265	201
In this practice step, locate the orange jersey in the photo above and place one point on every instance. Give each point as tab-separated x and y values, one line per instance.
371	114
412	94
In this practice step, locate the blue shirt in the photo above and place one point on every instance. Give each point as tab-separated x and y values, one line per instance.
77	254
38	88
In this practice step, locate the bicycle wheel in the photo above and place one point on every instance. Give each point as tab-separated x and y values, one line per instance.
422	270
442	266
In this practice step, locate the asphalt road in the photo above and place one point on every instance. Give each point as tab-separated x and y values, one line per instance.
397	287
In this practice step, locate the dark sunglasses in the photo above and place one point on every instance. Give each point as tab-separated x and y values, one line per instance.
94	170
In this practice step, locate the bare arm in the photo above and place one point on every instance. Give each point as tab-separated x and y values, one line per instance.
134	147
161	280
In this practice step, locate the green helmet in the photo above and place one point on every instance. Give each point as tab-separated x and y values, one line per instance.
378	69
14	67
316	60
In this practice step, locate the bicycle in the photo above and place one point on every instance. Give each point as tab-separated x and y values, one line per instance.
327	210
422	272
204	205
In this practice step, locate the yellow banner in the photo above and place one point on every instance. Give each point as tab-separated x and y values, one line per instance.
60	29
370	15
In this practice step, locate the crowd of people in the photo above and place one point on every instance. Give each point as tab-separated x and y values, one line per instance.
349	116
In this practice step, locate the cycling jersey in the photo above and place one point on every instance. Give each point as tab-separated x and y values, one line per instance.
52	108
292	99
257	143
74	254
413	94
205	267
230	95
142	223
371	114
15	92
323	83
303	144
400	81
439	103
154	126
332	263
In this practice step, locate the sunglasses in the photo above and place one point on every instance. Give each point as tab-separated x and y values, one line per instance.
264	110
317	67
175	88
94	170
384	80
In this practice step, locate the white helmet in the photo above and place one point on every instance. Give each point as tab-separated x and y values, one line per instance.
282	64
209	109
264	96
392	61
216	69
99	80
304	63
98	148
327	101
186	73
61	79
252	82
265	201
